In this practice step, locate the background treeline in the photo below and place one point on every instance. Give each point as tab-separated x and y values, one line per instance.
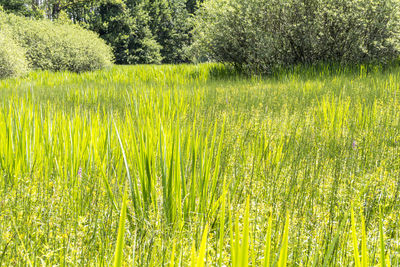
256	36
263	35
139	31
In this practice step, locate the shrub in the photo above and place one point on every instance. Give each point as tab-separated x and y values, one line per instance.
56	47
259	35
12	57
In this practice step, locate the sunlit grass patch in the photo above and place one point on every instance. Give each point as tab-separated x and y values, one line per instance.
218	169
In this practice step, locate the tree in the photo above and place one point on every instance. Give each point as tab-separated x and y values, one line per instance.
261	35
192	5
20	7
140	31
170	27
126	29
75	8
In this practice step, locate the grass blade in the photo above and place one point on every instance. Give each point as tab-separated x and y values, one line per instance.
121	234
354	237
284	249
364	249
202	250
382	240
267	249
172	262
332	246
221	225
244	251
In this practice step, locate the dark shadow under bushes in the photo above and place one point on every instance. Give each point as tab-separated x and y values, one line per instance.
320	70
223	72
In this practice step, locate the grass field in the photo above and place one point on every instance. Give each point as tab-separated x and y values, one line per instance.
215	166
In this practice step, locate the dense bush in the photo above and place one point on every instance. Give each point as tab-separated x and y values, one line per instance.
258	35
54	46
12	57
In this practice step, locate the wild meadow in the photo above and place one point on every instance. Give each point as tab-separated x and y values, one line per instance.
197	165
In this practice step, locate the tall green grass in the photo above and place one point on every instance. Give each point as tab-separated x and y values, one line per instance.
218	169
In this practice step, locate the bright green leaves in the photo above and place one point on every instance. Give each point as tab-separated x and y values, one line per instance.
283	255
365	258
198	258
240	253
119	249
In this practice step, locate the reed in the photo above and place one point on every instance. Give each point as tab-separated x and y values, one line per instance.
218	168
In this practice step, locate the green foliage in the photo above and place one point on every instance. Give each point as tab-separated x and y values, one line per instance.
192	5
170	25
260	35
119	249
240	246
190	144
283	254
54	46
198	261
126	29
145	31
15	6
12	57
148	50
